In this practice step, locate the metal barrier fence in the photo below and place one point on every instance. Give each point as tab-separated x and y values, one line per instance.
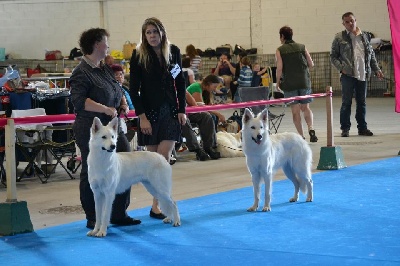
324	74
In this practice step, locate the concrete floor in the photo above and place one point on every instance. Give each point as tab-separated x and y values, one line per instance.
57	202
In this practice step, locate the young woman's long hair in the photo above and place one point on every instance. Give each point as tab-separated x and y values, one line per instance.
143	46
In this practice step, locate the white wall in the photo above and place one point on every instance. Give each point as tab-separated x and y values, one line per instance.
28	27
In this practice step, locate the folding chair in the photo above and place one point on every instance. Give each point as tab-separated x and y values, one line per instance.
30	145
247	94
59	149
36	144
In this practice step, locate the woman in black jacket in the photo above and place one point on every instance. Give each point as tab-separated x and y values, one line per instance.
157	89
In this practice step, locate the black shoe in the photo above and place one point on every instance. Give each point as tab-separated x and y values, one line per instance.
201	155
365	132
313	137
160	215
345	133
90	224
172	160
126	221
213	154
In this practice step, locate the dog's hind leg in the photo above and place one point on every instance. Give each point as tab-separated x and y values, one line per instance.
169	208
161	191
291	175
255	176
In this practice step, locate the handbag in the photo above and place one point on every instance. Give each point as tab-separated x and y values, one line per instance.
127	49
53	55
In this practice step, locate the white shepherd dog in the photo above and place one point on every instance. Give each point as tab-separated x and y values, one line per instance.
265	154
112	173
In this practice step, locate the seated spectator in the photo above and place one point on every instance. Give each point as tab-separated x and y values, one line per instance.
186	68
120	77
195	60
225	69
245	77
234	85
201	92
246	73
109	60
258	75
206	126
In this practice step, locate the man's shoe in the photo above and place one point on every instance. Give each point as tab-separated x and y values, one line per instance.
365	132
345	133
125	221
201	155
154	215
90	224
313	137
213	154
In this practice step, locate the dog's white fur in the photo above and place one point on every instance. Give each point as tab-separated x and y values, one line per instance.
266	154
229	144
112	173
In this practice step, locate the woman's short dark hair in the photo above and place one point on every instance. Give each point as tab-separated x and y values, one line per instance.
286	32
90	37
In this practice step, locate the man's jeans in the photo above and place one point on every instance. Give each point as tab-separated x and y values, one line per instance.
351	86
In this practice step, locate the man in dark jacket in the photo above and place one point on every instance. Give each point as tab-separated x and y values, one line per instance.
353	56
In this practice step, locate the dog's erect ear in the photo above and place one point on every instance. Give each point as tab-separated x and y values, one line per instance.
114	123
264	115
247	115
96	125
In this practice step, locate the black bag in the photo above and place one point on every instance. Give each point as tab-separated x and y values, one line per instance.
209	53
238	49
76	52
237	118
199	52
251	51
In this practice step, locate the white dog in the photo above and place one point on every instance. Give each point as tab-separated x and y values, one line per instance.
265	154
229	144
112	173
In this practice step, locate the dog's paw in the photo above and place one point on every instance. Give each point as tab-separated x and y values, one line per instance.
294	199
266	209
177	223
167	220
252	209
101	233
92	232
309	200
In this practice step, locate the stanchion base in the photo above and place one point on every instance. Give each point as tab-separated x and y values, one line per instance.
331	158
14	218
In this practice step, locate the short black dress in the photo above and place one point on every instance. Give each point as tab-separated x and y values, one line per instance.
165	126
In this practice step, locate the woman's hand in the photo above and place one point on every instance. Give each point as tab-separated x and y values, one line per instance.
111	111
182	118
145	125
124	108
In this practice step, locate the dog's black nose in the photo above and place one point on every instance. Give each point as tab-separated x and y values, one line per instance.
112	147
259	137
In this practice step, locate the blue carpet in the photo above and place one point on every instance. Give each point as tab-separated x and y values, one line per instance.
354	220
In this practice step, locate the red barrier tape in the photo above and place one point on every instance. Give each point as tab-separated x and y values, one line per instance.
70	118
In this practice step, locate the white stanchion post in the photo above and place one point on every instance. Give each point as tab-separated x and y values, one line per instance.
11	170
329	120
14	215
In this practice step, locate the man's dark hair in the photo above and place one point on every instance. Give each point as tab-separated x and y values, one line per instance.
286	32
347	14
